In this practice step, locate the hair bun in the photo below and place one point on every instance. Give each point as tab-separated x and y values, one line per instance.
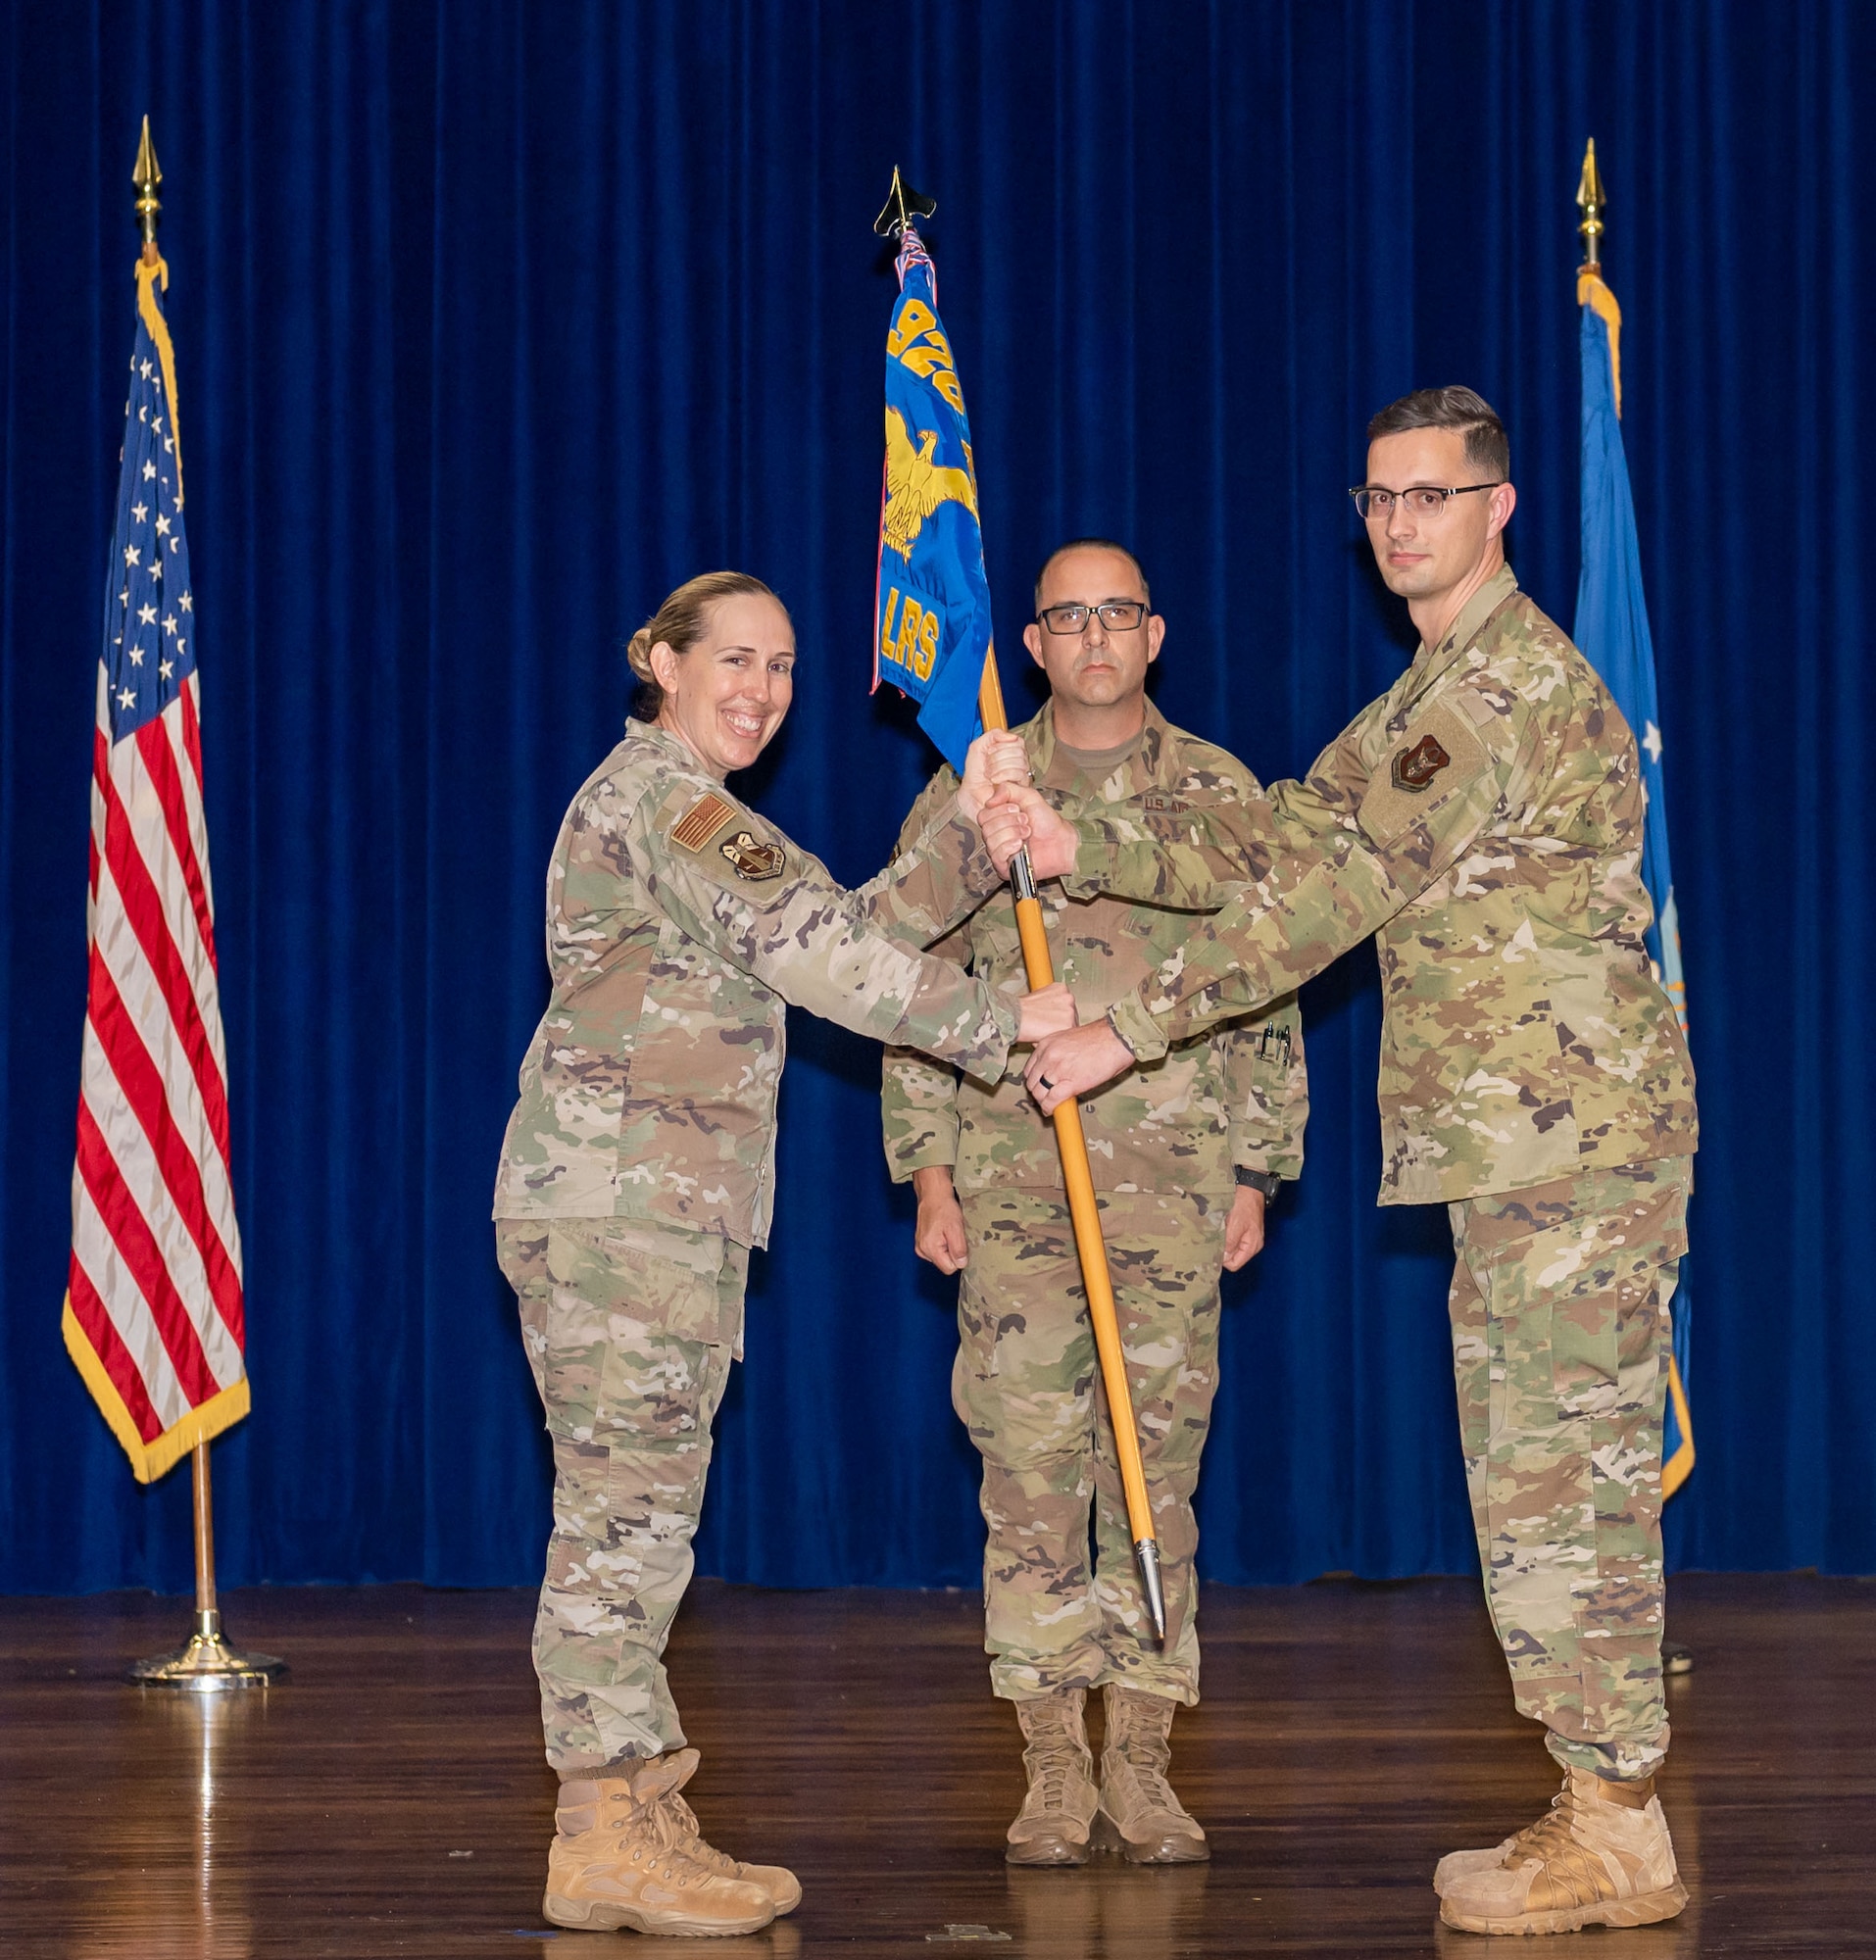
638	653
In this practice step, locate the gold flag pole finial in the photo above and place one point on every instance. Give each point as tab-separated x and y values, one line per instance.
902	205
146	177
1591	201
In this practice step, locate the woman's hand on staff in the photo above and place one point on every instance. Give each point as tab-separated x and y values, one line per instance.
992	762
1050	1010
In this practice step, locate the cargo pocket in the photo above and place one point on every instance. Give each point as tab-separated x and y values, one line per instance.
1551	1325
1585	1354
626	1338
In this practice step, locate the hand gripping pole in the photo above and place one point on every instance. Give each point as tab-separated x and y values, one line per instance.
1078	1179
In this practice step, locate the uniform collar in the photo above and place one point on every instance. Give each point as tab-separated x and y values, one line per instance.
1054	769
1429	661
665	743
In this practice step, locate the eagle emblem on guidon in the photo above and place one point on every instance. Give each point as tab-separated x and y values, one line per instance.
1415	767
752	860
915	485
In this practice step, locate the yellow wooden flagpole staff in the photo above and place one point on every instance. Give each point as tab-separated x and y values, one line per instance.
1082	1209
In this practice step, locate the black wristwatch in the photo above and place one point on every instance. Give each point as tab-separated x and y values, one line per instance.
1259	1180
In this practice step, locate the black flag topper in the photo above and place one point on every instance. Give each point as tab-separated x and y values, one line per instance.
902	205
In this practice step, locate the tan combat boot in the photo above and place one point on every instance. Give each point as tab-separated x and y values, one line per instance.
1599	1856
1052	1826
1140	1816
610	1865
677	1827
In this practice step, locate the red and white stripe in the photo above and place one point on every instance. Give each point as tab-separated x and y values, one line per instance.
156	1255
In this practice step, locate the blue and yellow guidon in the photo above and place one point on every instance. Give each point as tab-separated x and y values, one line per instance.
931	618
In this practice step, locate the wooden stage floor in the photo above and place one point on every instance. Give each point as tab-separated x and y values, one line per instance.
390	1799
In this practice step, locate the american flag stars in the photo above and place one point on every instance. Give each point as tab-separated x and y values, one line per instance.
146	673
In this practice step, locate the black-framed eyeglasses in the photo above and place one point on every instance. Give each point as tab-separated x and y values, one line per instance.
1422	499
1118	616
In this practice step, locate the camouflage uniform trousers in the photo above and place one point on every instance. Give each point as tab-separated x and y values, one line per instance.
631	1330
1027	1386
1560	1342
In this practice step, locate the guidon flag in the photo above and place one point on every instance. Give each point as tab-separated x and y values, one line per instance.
931	613
1611	629
153	1313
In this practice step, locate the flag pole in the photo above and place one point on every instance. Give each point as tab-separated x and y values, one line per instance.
903	206
204	1664
1083	1210
1591	200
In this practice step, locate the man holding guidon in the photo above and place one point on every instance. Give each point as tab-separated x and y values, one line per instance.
1484	820
1185	1152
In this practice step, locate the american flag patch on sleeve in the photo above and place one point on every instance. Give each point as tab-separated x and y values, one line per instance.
702	821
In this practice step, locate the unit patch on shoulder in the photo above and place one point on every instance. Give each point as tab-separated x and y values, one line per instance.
1440	757
750	860
702	821
1415	767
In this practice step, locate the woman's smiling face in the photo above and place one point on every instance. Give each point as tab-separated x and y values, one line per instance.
725	698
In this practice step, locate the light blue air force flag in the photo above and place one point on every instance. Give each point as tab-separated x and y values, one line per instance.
931	617
1612	628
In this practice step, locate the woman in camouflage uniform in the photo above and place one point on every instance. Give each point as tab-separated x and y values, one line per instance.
638	1170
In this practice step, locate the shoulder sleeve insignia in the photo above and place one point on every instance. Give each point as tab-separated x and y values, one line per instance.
1415	767
1440	757
702	821
750	860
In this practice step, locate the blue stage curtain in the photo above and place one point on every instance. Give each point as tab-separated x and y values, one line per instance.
494	320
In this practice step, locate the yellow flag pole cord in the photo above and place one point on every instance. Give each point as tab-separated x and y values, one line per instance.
1082	1209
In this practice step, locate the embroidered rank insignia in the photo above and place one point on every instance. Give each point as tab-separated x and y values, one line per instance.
702	821
752	860
1414	768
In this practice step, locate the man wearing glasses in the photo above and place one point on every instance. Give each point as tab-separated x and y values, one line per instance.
1483	819
1185	1152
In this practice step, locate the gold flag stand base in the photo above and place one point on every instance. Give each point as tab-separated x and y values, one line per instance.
204	1664
207	1664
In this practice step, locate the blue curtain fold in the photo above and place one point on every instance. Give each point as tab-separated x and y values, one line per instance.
494	321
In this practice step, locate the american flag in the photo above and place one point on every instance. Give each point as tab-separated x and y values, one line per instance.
153	1313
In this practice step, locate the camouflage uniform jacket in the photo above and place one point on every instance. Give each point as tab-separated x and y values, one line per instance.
1238	1095
679	923
1483	820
